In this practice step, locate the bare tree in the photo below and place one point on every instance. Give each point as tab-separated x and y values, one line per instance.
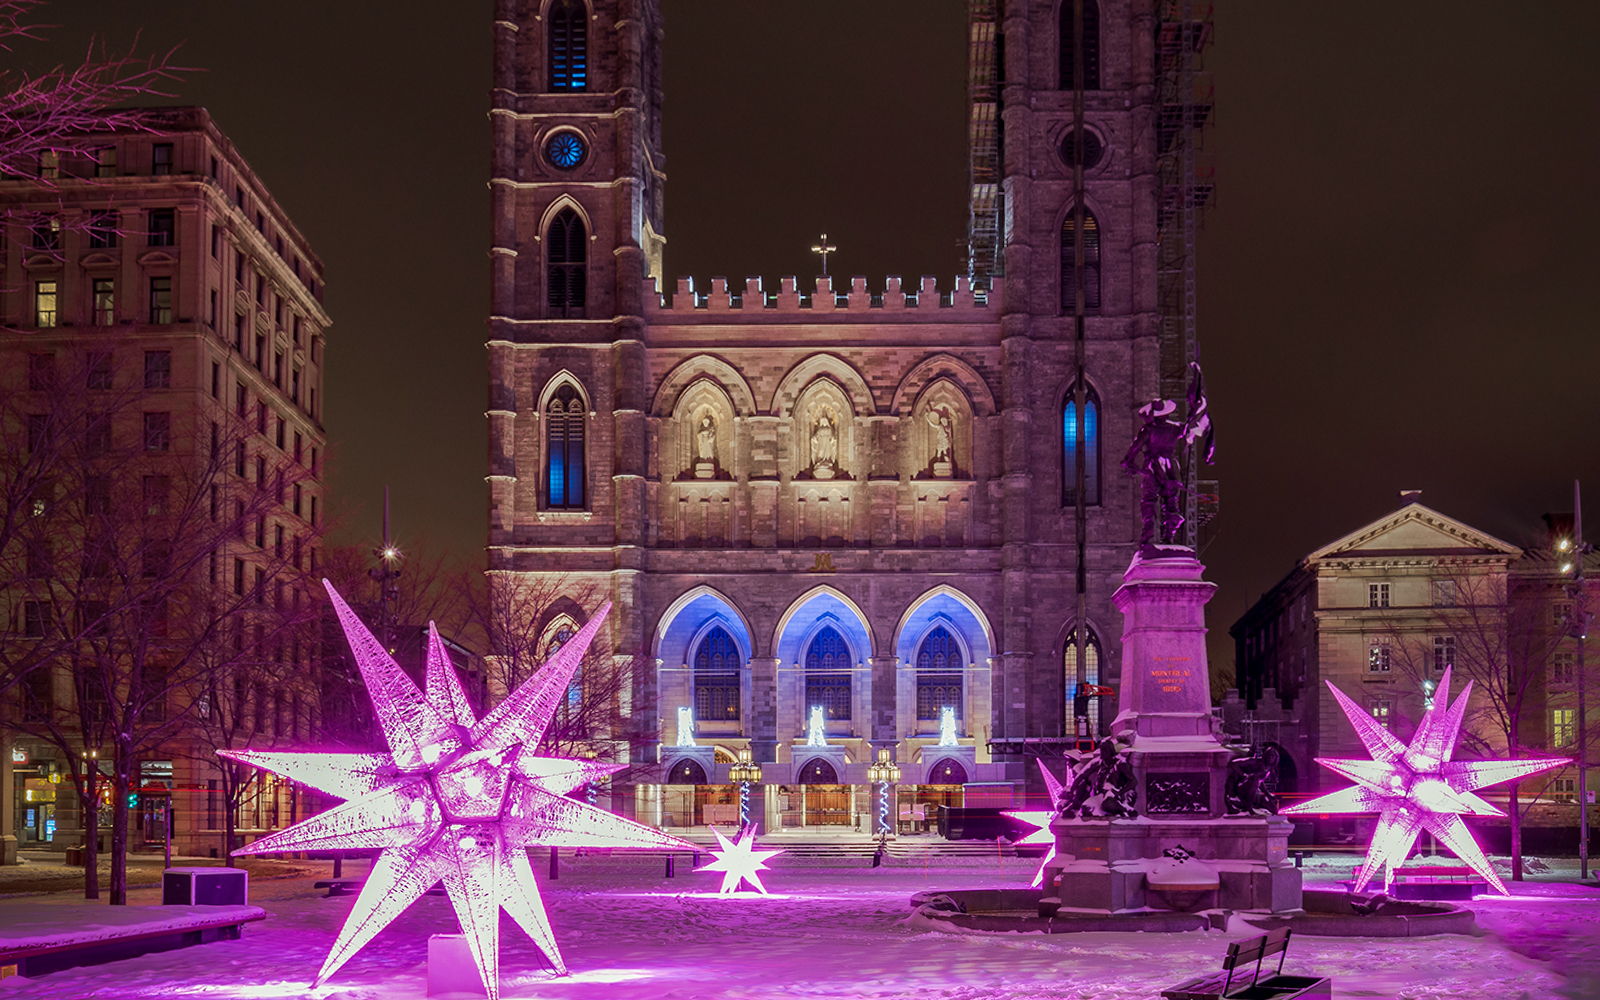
143	569
1501	632
44	116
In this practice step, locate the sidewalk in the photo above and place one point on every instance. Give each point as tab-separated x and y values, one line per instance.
47	871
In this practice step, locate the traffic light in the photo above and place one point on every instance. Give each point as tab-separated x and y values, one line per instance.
133	800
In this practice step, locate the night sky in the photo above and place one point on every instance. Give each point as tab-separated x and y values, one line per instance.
1398	276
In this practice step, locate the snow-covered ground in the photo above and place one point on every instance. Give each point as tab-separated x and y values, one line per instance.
830	931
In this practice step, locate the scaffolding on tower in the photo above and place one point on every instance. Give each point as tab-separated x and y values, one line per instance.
985	131
1186	183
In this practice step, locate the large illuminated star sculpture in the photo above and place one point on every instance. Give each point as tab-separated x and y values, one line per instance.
738	860
1040	819
1418	787
456	798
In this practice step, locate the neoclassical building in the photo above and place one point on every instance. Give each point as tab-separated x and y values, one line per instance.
818	494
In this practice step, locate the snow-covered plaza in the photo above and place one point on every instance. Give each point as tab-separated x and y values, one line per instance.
831	929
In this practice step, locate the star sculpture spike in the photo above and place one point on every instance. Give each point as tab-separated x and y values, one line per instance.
1415	787
456	799
1040	819
739	861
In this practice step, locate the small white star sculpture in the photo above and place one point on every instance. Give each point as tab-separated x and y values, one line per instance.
1040	819
739	861
456	799
1418	787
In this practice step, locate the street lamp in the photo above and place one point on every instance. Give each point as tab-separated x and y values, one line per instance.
745	773
386	573
1578	627
883	772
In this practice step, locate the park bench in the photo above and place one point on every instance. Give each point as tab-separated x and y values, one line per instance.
1431	882
1221	986
39	950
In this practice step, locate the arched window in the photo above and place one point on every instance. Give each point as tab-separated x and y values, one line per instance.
564	471
1091	265
569	45
828	675
1091	660
1088	456
818	772
687	772
947	772
938	675
716	678
1091	45
568	288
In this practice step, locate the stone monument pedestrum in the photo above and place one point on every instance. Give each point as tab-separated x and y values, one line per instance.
1180	769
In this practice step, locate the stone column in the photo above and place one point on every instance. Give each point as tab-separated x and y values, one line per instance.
885	689
763	728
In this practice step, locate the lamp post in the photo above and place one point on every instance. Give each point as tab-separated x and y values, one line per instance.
745	773
882	772
1572	552
386	574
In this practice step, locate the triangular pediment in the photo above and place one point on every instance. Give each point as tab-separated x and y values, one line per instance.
1415	529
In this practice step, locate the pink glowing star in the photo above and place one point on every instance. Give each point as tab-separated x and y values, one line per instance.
738	860
1417	787
456	798
1040	819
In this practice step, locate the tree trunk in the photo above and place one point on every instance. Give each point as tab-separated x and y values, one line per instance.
230	803
120	788
1515	812
91	834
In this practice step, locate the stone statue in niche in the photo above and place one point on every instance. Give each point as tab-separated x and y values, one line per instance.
705	447
825	445
942	425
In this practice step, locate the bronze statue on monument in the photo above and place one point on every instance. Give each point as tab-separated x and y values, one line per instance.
1154	458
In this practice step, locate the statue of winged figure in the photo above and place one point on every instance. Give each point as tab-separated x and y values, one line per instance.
1154	457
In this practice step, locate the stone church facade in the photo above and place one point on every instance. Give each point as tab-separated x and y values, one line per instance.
822	494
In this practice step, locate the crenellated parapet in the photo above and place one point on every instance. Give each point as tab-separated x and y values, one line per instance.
962	303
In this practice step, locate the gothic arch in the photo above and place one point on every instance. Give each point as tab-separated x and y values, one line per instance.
737	623
910	622
830	594
704	366
702	403
804	374
736	632
944	621
554	383
939	438
544	8
945	366
554	209
822	445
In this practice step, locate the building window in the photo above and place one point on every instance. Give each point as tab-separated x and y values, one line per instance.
1091	46
1444	653
99	372
35	619
716	678
828	667
105	161
1091	264
102	229
156	491
1444	593
569	45
158	369
47	232
1377	595
1086	457
158	432
1563	667
1379	708
564	433
1378	658
161	159
939	667
568	280
163	227
45	300
1563	727
1091	675
50	165
105	301
161	300
41	372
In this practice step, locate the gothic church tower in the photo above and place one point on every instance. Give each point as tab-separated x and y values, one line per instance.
889	518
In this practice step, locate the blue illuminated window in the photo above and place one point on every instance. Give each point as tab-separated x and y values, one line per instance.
568	279
827	675
938	675
564	471
1091	45
565	150
716	678
1088	457
1091	265
569	45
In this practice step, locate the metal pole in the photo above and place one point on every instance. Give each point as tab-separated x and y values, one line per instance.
167	822
1581	617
